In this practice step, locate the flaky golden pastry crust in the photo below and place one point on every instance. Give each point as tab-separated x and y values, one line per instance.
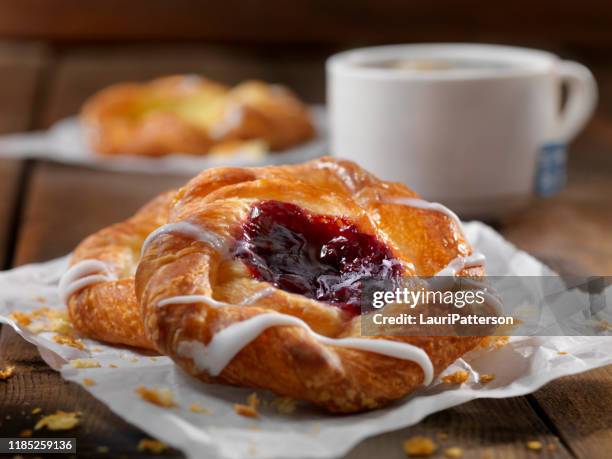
287	359
193	115
108	311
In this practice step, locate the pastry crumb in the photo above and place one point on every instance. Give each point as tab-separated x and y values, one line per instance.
561	353
284	405
159	397
89	382
112	365
534	445
604	325
419	446
458	377
6	373
250	409
197	408
551	447
495	342
36	410
21	318
103	449
26	433
69	341
85	363
60	420
252	450
486	378
454	452
152	446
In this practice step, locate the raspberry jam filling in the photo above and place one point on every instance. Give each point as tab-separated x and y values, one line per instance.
322	257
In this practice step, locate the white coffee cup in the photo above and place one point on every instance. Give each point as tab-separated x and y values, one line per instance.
477	127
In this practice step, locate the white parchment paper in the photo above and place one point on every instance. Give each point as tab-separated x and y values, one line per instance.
520	367
64	142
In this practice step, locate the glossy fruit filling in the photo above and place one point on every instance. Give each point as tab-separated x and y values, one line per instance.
322	257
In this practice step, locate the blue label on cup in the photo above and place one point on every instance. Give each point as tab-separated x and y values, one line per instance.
550	176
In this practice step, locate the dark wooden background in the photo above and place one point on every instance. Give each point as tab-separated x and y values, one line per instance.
53	54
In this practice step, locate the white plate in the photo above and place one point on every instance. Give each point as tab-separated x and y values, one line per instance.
64	142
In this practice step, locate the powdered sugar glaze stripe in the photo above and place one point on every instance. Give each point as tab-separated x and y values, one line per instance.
225	344
81	275
189	230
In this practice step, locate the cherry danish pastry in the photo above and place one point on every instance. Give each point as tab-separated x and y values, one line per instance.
192	115
257	277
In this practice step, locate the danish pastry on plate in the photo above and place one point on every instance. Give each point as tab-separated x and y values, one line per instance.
255	277
192	115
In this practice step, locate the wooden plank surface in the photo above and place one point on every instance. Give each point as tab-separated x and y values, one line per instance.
278	21
483	429
20	67
579	407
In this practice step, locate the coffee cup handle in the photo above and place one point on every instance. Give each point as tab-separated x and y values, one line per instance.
581	99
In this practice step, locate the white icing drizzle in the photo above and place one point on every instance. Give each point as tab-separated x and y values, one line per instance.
83	274
260	294
435	206
189	230
223	347
341	172
458	264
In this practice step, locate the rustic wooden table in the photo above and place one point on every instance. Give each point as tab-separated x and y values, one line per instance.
45	209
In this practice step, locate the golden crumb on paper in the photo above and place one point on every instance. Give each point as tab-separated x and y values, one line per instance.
6	373
89	382
21	318
69	341
252	450
561	353
61	326
250	409
26	433
85	363
419	446
495	342
197	408
159	397
103	449
36	410
61	420
40	299
534	445
284	405
458	377
112	365
486	378
604	325
151	446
